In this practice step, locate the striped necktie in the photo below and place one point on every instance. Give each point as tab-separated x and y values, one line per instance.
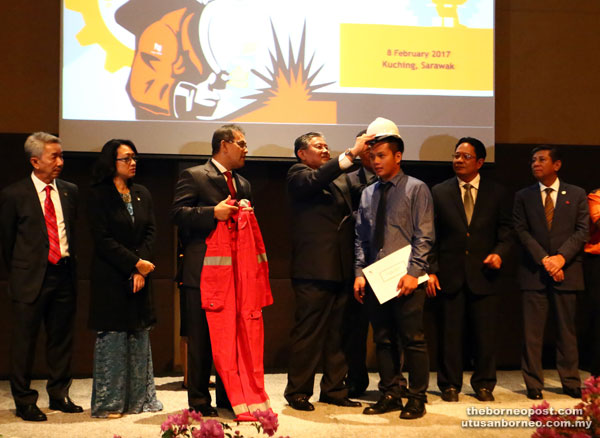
548	207
52	227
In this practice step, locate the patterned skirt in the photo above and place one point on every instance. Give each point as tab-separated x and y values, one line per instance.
123	374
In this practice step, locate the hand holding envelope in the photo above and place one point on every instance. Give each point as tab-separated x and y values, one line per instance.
388	277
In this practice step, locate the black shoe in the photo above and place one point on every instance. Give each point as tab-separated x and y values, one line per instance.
450	394
484	395
534	394
65	405
345	402
387	403
572	392
206	410
30	413
301	403
413	409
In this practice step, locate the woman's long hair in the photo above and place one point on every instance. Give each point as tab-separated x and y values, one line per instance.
105	167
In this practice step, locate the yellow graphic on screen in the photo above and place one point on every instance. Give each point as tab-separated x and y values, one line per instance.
448	12
95	31
416	58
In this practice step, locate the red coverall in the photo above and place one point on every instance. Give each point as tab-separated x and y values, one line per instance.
235	287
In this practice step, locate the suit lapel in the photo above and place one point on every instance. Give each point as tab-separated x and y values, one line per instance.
216	178
38	210
562	198
457	200
483	196
65	205
136	199
241	191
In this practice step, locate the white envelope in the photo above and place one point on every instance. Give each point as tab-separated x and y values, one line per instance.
383	275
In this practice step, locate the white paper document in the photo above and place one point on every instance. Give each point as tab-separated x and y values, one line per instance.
383	275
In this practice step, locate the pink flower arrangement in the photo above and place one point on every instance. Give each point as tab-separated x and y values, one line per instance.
268	421
582	422
190	424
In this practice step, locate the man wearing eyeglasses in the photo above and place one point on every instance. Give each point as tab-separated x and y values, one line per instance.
473	239
322	248
200	201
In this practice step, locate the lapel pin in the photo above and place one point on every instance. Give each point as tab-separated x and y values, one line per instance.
567	202
138	198
564	192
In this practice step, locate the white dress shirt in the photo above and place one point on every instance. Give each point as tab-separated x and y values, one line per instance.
553	195
474	188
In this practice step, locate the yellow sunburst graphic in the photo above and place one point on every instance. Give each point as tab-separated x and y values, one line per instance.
95	31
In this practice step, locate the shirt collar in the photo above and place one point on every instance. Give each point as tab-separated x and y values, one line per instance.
474	182
555	186
395	179
40	185
219	166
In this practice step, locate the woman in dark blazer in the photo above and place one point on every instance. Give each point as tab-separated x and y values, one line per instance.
121	305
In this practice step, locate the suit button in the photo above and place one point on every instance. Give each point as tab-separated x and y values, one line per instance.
467	252
212	304
468	234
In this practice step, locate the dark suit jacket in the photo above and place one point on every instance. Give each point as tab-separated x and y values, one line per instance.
570	229
459	251
119	243
198	190
358	180
322	222
24	235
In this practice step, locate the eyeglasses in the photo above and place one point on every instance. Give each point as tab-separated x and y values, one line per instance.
241	143
458	155
128	160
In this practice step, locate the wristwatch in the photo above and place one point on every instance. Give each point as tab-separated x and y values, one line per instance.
349	154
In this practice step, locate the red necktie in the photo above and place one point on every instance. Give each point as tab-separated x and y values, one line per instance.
52	227
229	179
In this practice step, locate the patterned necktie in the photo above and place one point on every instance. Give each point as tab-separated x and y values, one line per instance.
52	227
468	202
380	216
548	207
229	179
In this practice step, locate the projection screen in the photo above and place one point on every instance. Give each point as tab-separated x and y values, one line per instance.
167	73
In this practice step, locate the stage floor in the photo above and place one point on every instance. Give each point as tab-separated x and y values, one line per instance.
442	419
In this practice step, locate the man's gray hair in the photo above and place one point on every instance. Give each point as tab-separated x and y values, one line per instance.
34	145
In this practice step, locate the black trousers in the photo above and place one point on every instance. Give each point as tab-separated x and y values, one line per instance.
199	354
478	313
398	326
55	307
317	338
536	304
592	287
355	332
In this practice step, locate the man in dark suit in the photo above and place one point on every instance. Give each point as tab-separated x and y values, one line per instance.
200	201
551	220
37	216
473	237
322	242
